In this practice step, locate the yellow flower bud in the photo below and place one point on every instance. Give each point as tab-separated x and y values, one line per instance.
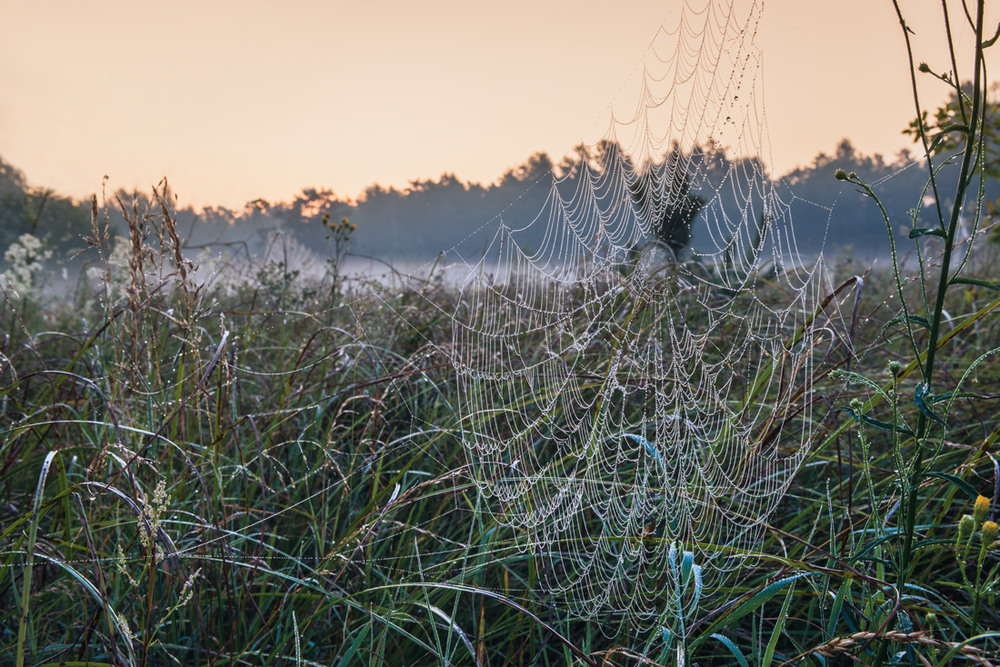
989	533
981	509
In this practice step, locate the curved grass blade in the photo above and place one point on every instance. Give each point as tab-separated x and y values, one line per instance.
22	630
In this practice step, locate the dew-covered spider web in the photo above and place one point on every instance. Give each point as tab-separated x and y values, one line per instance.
630	393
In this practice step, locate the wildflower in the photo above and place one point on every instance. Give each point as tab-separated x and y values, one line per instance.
26	258
989	533
981	509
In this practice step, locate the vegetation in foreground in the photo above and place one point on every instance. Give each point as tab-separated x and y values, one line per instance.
271	471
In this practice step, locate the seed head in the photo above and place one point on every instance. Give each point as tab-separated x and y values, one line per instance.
840	175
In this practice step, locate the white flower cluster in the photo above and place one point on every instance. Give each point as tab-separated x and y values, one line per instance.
25	259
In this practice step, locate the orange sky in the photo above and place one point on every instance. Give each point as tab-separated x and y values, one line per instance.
236	100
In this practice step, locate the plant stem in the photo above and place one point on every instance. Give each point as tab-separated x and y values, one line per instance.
943	279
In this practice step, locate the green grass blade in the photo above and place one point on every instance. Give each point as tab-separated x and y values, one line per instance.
36	507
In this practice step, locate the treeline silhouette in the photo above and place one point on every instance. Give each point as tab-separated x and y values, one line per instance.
429	216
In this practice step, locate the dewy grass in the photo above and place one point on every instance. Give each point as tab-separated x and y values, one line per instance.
315	504
217	474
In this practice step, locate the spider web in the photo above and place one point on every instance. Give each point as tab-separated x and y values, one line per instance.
625	400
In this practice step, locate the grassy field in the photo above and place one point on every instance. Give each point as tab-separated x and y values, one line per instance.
272	471
261	469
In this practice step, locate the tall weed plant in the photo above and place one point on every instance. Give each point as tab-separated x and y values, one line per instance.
926	429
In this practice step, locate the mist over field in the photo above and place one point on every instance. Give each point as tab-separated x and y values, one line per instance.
413	227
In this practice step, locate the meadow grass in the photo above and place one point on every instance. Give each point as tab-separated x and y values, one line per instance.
219	474
272	471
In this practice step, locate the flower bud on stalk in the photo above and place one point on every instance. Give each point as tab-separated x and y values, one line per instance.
981	510
965	528
989	533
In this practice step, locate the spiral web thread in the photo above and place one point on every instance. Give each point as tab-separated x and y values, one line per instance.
623	407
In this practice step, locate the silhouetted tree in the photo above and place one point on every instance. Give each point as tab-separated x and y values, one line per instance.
40	211
662	197
538	166
11	178
946	133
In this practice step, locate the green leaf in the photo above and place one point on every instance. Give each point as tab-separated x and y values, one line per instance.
974	281
868	548
733	648
918	319
921	398
751	604
838	604
992	40
36	509
778	627
119	623
878	423
949	394
921	320
362	637
926	231
960	484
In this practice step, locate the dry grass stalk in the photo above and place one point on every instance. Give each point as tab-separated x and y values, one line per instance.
839	645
